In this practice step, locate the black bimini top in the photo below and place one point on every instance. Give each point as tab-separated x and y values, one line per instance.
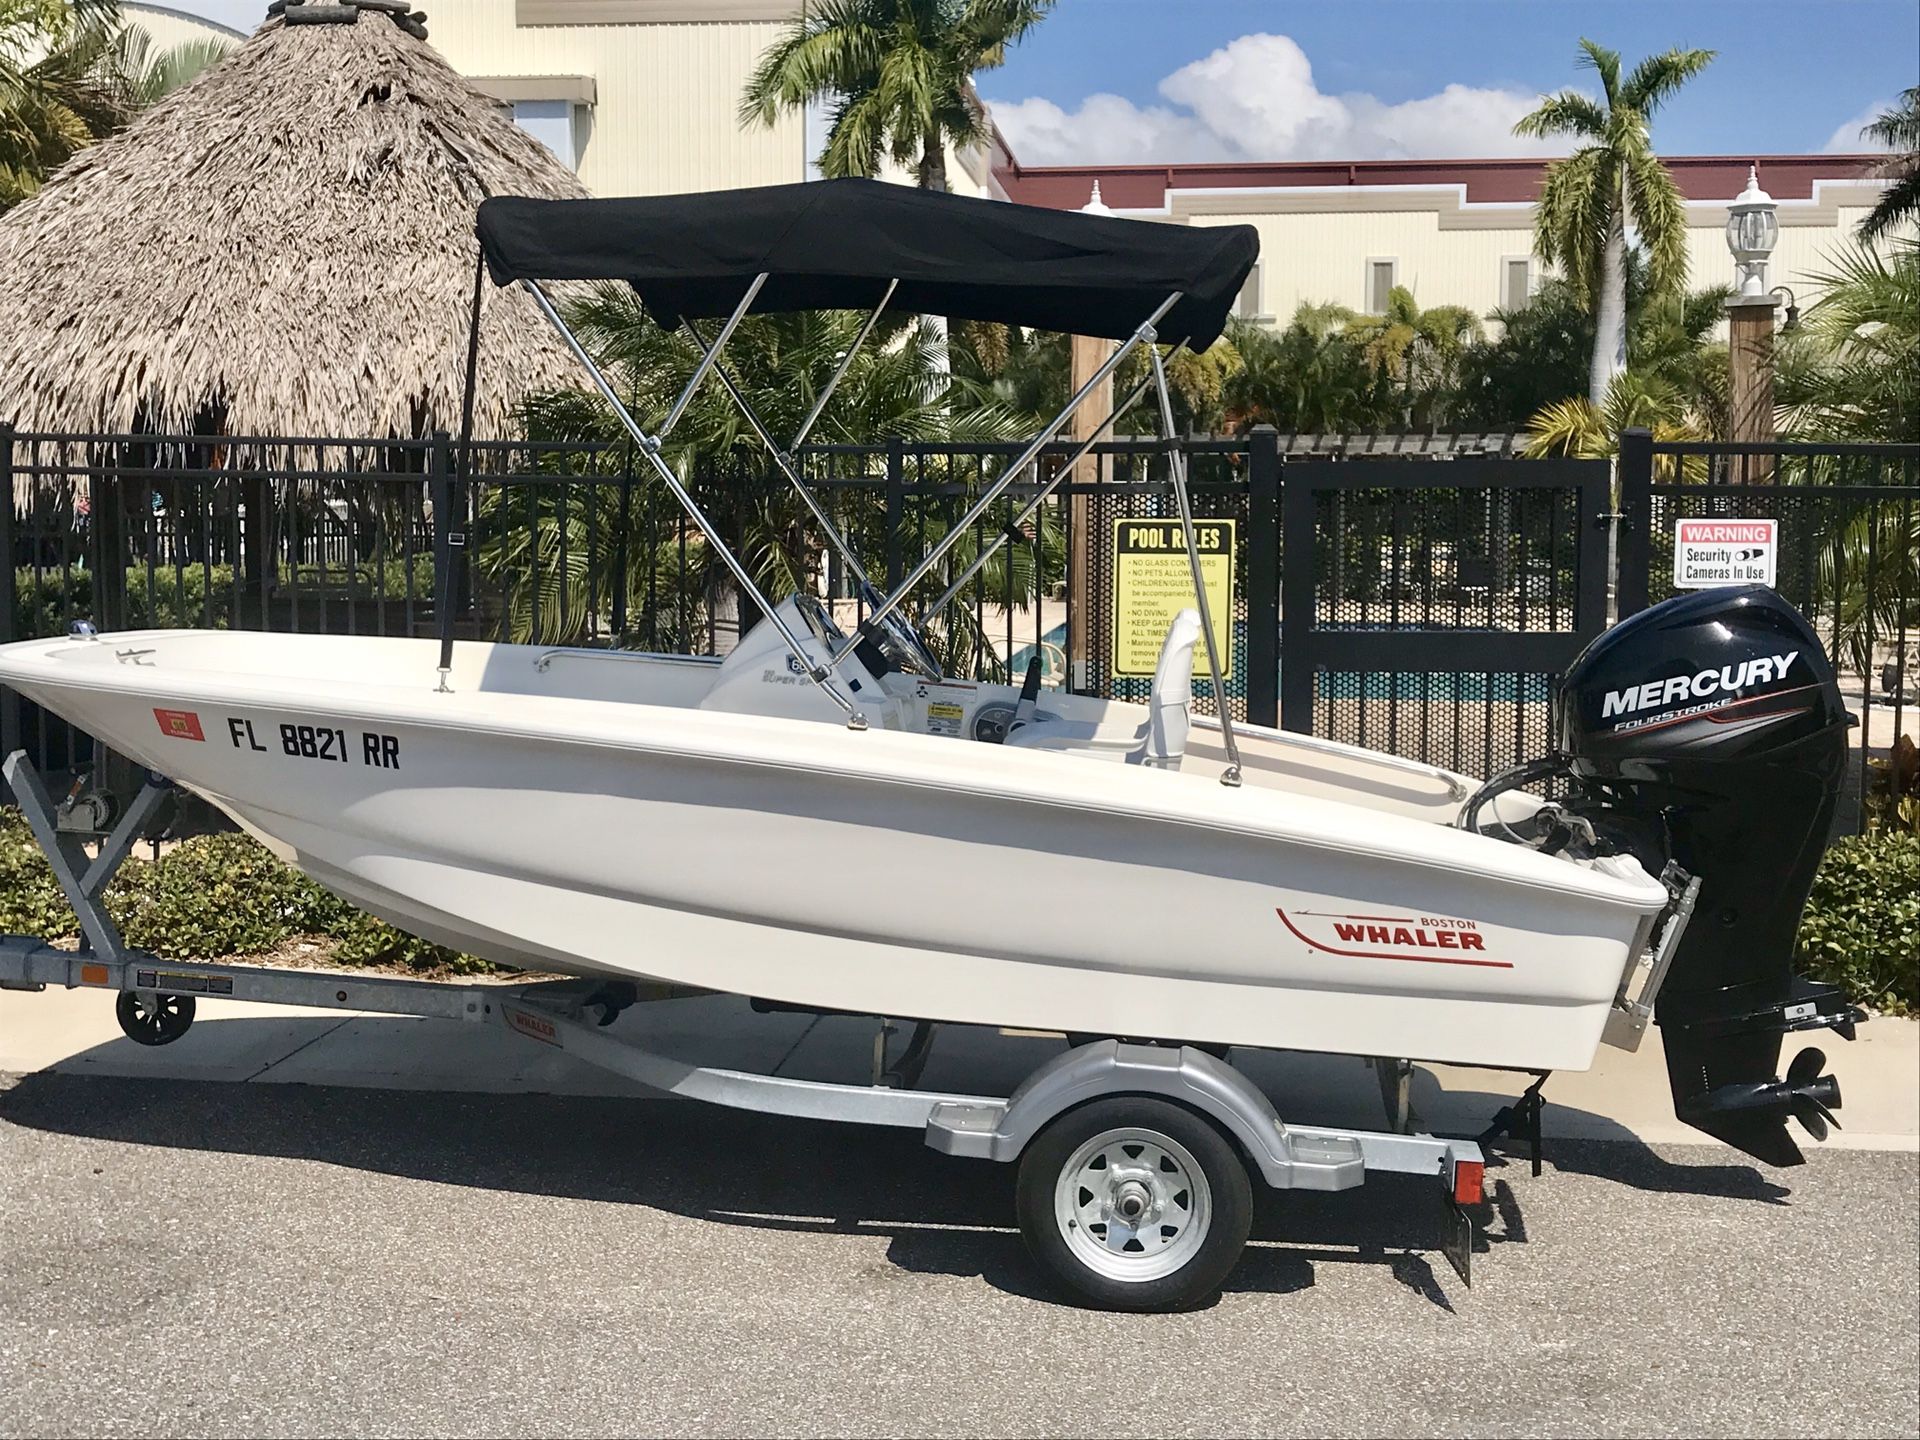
834	245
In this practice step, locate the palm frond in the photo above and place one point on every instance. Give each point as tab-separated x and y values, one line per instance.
1606	64
1567	113
1658	77
1659	214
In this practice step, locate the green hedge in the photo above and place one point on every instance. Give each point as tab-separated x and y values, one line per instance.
180	598
206	899
1862	926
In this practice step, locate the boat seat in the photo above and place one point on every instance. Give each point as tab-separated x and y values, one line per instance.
1162	741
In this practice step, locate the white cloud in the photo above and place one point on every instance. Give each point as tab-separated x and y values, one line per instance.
1117	130
1256	99
1847	139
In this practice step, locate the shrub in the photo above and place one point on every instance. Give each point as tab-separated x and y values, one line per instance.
207	898
1862	926
191	597
367	941
212	896
30	898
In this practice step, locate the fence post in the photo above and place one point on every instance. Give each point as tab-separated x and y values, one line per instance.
1633	521
1263	577
9	599
895	502
1297	543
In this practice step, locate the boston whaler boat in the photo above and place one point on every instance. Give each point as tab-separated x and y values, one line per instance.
811	820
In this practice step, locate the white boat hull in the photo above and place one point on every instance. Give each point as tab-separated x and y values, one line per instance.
876	872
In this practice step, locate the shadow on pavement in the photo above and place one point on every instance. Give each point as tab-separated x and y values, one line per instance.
942	1215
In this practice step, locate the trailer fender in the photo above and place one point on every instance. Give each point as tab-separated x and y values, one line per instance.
1111	1067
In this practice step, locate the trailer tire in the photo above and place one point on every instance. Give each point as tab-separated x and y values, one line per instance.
1135	1203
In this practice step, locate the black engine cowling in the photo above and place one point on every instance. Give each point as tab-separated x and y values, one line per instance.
1712	727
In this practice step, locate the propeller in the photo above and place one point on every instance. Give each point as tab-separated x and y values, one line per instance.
1812	1096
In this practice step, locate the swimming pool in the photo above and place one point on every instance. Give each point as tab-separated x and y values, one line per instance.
1418	686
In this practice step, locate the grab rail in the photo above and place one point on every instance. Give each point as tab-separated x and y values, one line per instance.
546	658
1456	788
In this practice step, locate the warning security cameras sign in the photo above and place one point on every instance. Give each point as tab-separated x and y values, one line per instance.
1707	553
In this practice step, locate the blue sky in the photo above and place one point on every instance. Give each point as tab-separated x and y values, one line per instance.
1168	80
1165	80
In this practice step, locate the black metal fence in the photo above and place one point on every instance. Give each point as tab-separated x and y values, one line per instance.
1424	606
1847	520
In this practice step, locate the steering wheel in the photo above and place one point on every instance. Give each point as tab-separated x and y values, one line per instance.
819	619
898	640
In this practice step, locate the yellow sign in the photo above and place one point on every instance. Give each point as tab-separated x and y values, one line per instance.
1153	582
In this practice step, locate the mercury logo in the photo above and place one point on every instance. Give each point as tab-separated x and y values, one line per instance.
1656	694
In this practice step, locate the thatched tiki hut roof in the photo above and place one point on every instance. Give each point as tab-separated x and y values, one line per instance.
285	246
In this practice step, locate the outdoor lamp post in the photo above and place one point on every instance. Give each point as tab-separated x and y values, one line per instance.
1753	227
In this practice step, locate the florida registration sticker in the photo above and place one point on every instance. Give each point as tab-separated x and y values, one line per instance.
180	724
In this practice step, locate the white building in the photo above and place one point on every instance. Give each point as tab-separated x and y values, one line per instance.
641	97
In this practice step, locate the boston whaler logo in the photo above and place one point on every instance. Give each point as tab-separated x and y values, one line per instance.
1436	939
1714	687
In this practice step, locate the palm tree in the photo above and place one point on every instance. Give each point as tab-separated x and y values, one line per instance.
898	74
71	75
1899	130
1420	349
1584	431
1311	378
1613	182
57	90
896	386
149	77
1852	370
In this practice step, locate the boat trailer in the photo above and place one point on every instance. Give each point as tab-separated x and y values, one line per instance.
1151	1148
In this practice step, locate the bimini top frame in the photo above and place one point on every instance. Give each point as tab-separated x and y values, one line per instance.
861	244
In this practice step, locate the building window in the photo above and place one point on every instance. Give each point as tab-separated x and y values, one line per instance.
1247	307
1516	282
1380	282
551	123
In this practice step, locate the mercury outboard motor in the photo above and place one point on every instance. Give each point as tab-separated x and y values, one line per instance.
1708	731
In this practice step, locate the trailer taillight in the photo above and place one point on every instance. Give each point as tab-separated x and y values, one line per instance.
1468	1179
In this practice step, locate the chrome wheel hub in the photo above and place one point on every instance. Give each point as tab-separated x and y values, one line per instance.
1132	1204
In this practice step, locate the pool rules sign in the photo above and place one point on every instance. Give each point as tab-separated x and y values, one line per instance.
1152	583
1707	553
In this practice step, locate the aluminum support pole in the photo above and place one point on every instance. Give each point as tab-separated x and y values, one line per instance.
708	359
1177	469
1033	506
649	445
784	460
846	363
1009	475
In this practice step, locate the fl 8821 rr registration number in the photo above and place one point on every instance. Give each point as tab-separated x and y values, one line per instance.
301	741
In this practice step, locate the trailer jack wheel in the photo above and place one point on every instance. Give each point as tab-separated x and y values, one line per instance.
1135	1203
149	1019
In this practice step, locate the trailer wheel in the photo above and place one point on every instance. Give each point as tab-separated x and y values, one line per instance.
1135	1203
148	1019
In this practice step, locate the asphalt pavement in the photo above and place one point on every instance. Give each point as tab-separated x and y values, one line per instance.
181	1257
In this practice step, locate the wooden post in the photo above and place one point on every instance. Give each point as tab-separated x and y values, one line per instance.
1088	355
1750	383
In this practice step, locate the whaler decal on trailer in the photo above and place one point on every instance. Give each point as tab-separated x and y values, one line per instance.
1435	939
